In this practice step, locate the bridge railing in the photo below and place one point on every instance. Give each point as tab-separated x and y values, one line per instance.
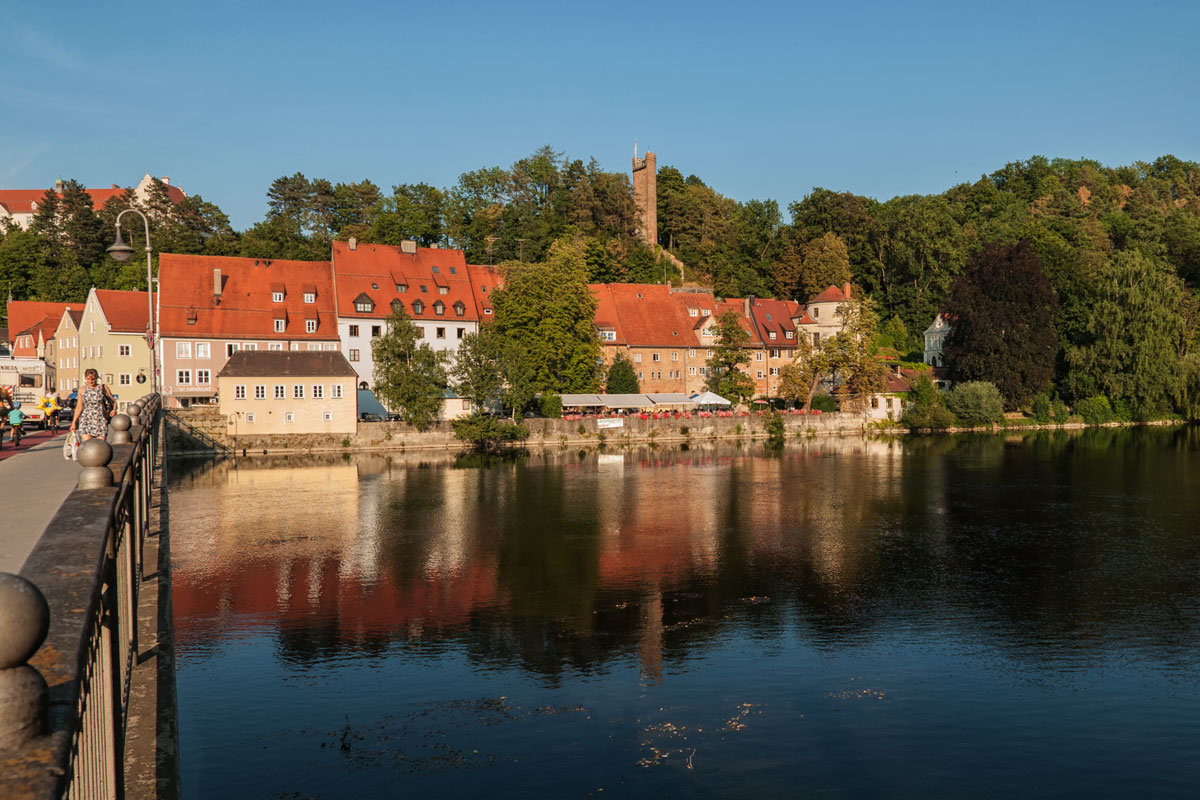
65	711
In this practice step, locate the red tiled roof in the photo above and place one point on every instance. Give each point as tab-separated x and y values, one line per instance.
773	315
897	383
831	295
244	309
484	280
20	201
125	312
643	315
369	269
23	314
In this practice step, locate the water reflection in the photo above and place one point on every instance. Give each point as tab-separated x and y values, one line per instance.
1033	556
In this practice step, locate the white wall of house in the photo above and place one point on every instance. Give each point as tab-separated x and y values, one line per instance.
357	333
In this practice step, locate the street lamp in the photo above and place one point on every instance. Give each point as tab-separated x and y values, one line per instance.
123	252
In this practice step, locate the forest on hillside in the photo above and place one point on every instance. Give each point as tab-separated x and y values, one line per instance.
1099	234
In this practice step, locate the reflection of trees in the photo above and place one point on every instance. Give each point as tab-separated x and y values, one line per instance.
1041	543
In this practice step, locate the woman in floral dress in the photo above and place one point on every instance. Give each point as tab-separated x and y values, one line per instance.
89	408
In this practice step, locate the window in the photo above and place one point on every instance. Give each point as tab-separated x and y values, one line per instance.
758	374
364	308
183	377
889	403
310	297
335	391
397	305
424	289
692	312
318	392
709	332
354	330
100	351
774	372
203	377
816	340
231	348
459	309
239	392
874	401
280	391
294	346
353	354
276	346
330	346
276	297
441	333
691	370
289	416
639	374
260	392
327	416
704	370
637	358
298	391
788	334
439	308
376	331
816	312
314	346
250	417
675	356
280	325
462	332
203	350
435	270
310	326
124	350
250	346
608	336
453	271
758	356
774	354
443	290
655	357
401	288
418	307
704	312
124	379
771	335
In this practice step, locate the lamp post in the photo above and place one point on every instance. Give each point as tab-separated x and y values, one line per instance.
123	252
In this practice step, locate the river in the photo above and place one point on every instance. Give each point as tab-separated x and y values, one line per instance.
952	616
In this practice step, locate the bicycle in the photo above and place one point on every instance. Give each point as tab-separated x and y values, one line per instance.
17	433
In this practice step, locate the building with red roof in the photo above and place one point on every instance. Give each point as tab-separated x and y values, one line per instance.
112	340
214	306
19	206
442	296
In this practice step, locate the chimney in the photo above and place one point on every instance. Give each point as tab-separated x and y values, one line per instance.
846	290
217	284
408	246
749	301
353	243
433	246
166	179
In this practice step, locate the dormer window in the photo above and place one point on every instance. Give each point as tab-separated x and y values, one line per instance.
401	288
704	312
418	307
459	308
692	312
443	290
788	334
280	325
310	326
771	335
309	297
276	297
439	308
397	305
608	336
363	304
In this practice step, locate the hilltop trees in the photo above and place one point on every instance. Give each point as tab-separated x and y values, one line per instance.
1003	312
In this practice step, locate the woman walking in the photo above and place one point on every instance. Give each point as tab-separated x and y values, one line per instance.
90	416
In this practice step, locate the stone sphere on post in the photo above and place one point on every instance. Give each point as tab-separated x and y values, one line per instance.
94	456
24	620
119	429
134	409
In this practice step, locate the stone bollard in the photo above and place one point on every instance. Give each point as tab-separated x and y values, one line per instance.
94	455
24	623
119	429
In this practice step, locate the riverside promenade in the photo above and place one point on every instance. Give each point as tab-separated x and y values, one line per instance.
34	481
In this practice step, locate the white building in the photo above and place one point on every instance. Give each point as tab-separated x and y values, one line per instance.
935	338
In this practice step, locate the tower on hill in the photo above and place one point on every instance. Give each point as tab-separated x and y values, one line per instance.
645	195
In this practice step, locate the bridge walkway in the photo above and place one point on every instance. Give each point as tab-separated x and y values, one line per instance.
34	481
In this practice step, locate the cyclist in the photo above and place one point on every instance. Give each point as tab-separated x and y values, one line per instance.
15	418
48	405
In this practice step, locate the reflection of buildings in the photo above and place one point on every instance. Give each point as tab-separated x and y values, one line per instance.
544	560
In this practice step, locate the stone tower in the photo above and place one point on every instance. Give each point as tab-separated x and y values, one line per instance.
645	195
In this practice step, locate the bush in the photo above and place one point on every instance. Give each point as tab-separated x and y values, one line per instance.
824	403
775	429
925	408
1042	409
1059	412
488	433
551	405
1095	410
976	403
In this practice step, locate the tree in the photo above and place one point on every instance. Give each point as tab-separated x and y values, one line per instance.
825	262
409	376
478	369
925	407
1003	313
414	211
520	376
726	358
289	201
976	403
548	309
1136	337
845	359
622	379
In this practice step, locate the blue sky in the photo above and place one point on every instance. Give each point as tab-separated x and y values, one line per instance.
759	99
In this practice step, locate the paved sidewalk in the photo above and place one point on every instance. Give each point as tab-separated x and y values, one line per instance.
34	481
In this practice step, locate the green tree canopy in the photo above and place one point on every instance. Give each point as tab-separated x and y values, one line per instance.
409	376
727	357
622	379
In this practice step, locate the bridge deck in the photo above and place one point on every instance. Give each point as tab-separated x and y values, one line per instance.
34	481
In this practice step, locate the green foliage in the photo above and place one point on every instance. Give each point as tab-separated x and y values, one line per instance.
1059	412
1003	311
824	402
925	408
486	433
1043	409
776	432
1095	410
548	310
621	377
478	371
727	357
975	403
409	376
551	405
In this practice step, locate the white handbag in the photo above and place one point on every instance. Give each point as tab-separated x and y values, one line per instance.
71	445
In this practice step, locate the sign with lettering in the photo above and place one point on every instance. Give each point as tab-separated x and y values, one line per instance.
610	423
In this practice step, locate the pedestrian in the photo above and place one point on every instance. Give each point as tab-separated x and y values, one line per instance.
91	416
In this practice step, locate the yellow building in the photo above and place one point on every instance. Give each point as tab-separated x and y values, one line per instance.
66	355
112	341
288	391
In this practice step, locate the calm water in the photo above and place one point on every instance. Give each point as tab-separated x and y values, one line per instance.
948	617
